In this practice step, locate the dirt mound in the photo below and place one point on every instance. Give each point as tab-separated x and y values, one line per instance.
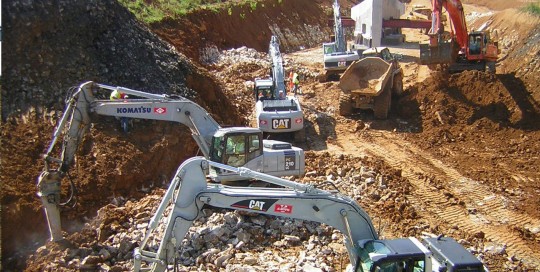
79	41
486	119
466	97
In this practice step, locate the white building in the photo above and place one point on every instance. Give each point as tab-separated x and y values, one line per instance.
368	17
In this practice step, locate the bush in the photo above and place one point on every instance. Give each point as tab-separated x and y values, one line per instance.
532	8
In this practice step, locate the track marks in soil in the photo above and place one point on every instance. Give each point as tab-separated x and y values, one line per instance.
461	202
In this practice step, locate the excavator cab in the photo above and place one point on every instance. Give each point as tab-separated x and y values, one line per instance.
475	44
482	47
235	147
264	88
390	255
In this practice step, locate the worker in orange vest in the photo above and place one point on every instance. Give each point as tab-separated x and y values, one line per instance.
291	74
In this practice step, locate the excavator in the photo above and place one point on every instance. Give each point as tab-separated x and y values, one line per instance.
189	193
462	50
336	58
276	110
235	146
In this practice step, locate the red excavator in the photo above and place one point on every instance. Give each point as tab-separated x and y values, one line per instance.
460	50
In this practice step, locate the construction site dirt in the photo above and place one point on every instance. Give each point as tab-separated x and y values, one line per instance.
459	153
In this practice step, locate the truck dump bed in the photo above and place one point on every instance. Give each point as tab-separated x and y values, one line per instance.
367	76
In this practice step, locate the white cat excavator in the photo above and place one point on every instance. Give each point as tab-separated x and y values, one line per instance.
277	110
235	146
189	192
336	58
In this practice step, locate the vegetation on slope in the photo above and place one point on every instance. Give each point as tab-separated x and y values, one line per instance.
533	8
156	10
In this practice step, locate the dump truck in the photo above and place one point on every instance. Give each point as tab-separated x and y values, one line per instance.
369	83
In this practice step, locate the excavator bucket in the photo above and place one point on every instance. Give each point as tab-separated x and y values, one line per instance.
444	52
368	76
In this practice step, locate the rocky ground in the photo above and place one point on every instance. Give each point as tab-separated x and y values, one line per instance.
458	156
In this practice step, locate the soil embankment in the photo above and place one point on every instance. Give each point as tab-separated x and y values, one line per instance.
297	24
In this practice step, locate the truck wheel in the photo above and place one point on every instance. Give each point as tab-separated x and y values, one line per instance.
491	67
300	136
345	104
381	104
397	84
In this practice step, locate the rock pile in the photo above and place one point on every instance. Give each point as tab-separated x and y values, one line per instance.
225	239
76	41
231	240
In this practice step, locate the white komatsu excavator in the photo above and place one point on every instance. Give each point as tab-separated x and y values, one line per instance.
188	192
235	146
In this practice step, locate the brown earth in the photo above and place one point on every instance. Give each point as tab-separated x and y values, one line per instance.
462	150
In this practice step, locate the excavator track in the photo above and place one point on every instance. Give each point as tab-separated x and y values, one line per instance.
483	212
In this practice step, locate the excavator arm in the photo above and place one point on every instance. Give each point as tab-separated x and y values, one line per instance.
441	50
278	74
76	121
189	192
457	18
341	44
83	102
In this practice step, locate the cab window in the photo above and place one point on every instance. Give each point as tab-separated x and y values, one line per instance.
235	150
408	265
217	148
235	144
254	146
370	247
328	49
386	55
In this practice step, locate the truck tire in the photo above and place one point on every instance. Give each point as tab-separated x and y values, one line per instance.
491	67
382	103
397	84
345	107
300	135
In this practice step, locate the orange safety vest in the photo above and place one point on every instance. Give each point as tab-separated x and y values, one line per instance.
291	80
